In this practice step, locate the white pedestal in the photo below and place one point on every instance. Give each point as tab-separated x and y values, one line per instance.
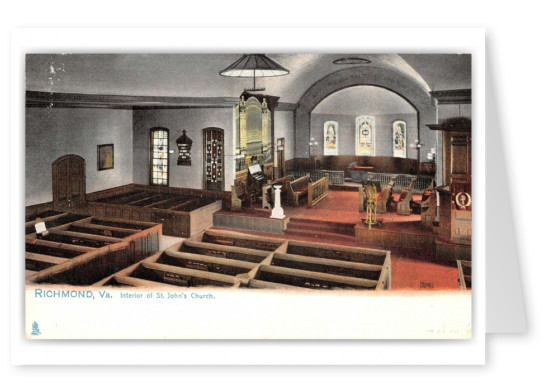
277	212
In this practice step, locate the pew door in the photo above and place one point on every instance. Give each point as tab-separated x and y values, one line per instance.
69	183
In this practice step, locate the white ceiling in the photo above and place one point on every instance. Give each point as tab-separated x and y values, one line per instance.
197	75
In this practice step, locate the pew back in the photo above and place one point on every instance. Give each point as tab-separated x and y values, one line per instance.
297	188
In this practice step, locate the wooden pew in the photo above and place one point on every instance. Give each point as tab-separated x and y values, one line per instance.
183	212
86	251
237	239
420	207
464	275
286	265
403	206
268	198
384	197
297	189
240	196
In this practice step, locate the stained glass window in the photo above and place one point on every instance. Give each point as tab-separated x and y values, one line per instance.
365	135
159	156
213	144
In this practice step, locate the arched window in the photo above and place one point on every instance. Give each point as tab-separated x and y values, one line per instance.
158	157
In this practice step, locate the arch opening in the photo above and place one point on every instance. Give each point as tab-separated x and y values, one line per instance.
345	106
396	83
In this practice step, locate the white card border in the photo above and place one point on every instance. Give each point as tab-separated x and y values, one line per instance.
266	352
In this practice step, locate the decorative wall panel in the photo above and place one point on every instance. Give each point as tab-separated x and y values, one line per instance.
213	158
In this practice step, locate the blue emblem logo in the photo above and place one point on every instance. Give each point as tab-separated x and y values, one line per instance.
36	330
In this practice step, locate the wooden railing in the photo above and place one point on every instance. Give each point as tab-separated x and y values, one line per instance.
402	181
336	178
318	190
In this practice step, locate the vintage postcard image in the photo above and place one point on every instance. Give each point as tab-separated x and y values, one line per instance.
248	196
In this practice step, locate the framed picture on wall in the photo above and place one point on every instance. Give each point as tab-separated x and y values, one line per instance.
106	157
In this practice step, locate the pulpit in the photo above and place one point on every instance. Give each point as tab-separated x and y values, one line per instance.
455	194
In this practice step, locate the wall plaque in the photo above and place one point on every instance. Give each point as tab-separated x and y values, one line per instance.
184	149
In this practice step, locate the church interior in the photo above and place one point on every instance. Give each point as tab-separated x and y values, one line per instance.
268	171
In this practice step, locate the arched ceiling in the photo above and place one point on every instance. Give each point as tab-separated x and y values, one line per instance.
197	75
364	100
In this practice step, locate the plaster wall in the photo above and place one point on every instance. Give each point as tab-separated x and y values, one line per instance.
383	132
193	121
450	111
54	132
396	82
284	126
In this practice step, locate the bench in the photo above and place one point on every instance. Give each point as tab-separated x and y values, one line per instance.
420	207
297	189
464	275
268	197
403	206
240	196
384	196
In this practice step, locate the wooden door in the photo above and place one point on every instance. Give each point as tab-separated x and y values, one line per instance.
69	183
213	159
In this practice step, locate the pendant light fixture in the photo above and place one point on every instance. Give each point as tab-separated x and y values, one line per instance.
254	65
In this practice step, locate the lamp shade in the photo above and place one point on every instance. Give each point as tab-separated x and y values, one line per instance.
254	65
